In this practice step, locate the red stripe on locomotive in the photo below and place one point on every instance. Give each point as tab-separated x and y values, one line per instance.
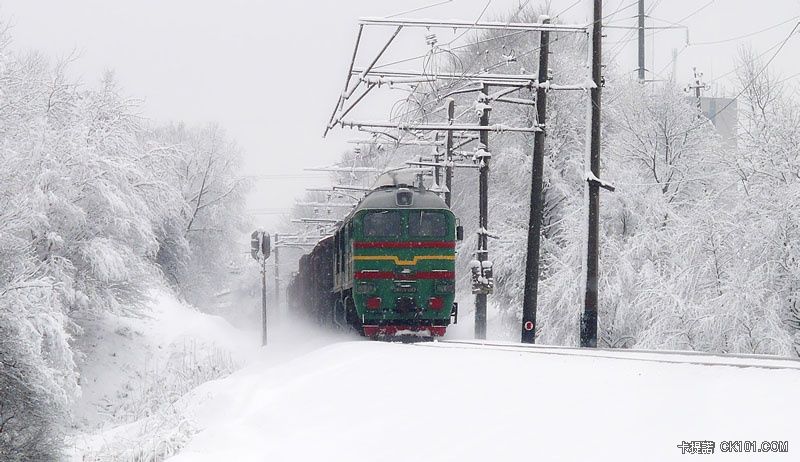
407	277
405	245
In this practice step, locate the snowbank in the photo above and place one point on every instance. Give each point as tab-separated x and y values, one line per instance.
135	368
373	401
317	395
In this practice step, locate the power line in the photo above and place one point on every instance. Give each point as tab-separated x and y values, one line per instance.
659	73
671	61
476	21
625	38
731	39
419	9
776	45
466	84
752	81
574	4
788	78
621	8
685	180
405	60
283	177
422	106
680	23
759	72
696	11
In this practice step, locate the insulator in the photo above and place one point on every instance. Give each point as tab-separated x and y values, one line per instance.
431	39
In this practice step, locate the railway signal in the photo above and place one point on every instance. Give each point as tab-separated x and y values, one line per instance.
259	250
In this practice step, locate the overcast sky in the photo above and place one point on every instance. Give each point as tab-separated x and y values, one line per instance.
270	71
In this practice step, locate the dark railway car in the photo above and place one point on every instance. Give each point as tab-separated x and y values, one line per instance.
321	281
296	289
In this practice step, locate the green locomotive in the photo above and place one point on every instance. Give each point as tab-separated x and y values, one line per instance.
389	269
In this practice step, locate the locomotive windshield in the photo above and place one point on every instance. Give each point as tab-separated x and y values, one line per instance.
424	223
384	223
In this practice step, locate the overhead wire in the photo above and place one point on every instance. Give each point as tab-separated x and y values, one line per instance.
573	5
731	39
788	78
625	38
501	63
421	106
419	9
677	23
487	69
405	60
695	11
476	22
758	74
736	68
620	8
684	180
752	81
774	26
489	39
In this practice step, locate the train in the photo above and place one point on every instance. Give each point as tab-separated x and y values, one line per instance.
387	270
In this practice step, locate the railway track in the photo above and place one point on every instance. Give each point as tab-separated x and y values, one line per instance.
658	356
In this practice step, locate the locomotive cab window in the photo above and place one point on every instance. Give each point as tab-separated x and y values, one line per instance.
424	223
384	223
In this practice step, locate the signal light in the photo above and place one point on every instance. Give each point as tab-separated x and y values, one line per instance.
373	303
436	303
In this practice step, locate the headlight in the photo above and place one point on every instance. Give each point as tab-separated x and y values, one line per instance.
365	288
448	287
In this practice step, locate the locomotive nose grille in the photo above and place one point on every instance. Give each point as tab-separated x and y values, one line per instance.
405	305
405	286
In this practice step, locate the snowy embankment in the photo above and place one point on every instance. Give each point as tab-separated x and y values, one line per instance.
136	367
373	401
152	390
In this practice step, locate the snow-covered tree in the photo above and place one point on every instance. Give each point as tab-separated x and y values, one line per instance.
91	198
200	239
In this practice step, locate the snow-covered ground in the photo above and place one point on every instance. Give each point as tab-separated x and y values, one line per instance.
372	401
313	395
136	367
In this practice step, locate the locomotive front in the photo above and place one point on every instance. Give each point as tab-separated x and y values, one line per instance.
395	263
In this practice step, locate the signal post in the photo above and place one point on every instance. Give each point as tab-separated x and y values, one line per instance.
259	250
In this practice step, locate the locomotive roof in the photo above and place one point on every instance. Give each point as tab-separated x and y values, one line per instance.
386	198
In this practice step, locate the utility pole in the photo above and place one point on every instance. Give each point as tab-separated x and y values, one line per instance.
674	64
483	214
589	317
641	41
437	158
448	154
535	222
697	86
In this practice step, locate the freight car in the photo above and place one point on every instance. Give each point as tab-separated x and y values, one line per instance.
389	269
